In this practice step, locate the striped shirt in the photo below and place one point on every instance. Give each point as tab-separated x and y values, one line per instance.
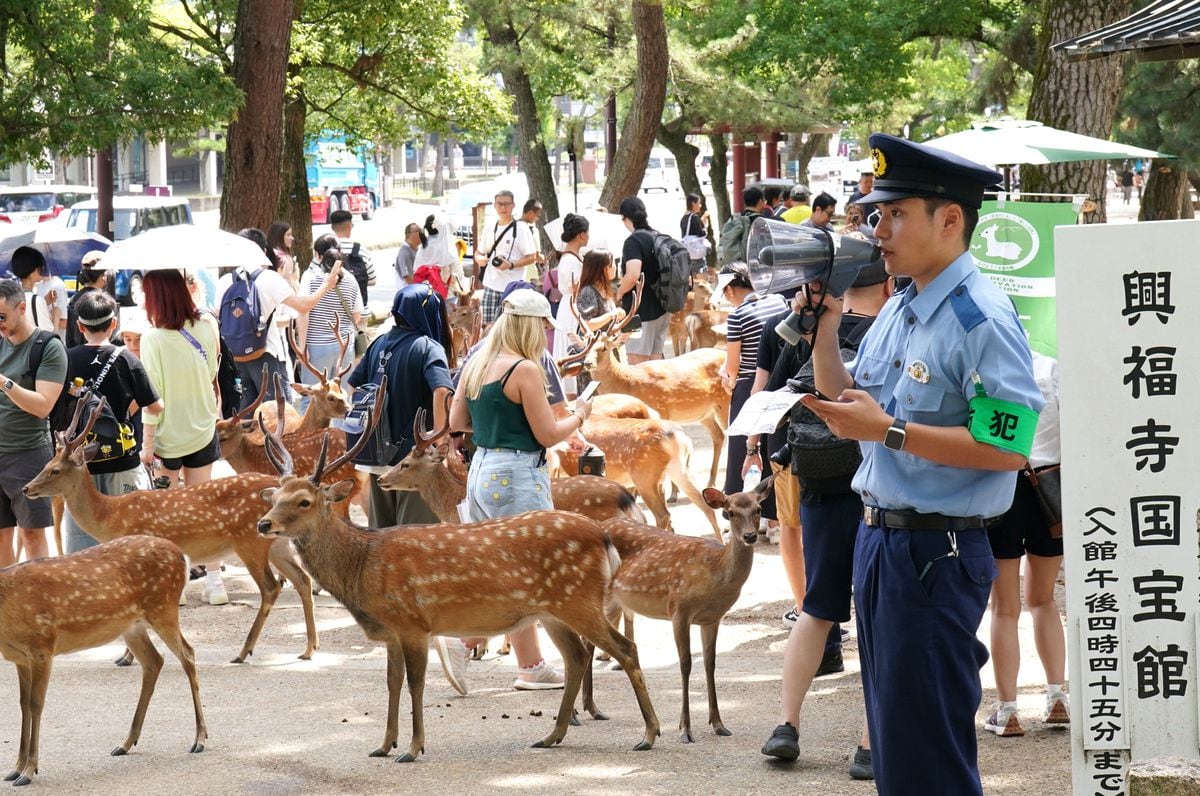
745	324
320	316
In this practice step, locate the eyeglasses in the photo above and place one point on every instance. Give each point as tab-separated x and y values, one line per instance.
504	204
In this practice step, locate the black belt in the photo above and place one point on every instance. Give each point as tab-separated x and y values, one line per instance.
915	521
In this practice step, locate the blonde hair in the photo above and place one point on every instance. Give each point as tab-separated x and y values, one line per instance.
523	335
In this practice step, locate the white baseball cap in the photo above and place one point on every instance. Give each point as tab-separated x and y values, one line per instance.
529	303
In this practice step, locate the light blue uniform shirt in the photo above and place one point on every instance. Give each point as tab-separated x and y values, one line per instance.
917	361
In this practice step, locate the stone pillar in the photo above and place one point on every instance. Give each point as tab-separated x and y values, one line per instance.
156	163
208	175
1164	776
739	175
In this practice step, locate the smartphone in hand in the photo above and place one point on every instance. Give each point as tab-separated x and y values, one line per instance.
589	391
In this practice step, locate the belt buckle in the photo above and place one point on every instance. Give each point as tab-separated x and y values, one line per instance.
872	516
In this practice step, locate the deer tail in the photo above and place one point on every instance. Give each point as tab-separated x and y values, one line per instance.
612	559
627	504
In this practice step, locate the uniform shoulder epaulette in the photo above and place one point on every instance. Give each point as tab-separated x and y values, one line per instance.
965	308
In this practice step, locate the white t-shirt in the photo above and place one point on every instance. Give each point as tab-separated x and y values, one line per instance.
43	289
41	317
273	288
515	244
1047	439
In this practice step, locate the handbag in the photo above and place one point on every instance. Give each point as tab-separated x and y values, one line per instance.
550	286
1047	485
361	339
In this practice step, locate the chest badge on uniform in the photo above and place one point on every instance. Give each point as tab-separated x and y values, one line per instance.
918	371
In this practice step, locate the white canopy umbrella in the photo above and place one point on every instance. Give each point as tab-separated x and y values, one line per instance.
605	231
184	246
1010	142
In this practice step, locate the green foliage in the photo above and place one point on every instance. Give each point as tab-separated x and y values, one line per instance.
1160	109
73	79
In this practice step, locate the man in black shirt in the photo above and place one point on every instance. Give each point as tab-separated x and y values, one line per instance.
638	259
115	373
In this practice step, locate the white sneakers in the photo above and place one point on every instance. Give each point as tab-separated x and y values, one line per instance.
455	656
1058	708
540	677
1003	720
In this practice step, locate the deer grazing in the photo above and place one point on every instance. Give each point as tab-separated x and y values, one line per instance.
53	606
423	470
685	389
482	578
208	521
641	453
688	581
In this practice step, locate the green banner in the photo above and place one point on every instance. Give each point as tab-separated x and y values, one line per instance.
1014	246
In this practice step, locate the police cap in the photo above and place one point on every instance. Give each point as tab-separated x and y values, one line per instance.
905	169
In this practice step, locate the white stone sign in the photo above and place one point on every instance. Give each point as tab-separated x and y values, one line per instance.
1129	357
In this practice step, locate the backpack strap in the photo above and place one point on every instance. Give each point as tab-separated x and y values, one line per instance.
41	338
856	335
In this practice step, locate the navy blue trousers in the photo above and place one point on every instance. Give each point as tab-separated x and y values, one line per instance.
920	657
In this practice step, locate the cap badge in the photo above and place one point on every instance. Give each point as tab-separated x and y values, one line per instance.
879	162
919	371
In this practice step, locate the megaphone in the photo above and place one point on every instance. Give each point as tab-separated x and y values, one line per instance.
783	256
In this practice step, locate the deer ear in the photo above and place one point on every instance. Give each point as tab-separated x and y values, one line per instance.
249	425
336	493
89	451
764	488
303	389
268	494
715	498
438	455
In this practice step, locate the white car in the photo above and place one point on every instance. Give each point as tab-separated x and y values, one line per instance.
662	173
27	205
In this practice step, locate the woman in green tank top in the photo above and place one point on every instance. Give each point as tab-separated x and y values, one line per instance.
502	400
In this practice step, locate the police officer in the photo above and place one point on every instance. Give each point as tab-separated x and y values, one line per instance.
943	401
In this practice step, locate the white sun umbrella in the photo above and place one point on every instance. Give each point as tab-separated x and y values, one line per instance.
605	231
1011	142
185	247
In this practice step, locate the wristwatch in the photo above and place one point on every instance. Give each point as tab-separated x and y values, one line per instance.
896	435
8	384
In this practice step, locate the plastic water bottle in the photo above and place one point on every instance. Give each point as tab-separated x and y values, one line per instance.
753	476
237	387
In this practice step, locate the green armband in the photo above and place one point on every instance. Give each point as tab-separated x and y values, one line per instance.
1001	423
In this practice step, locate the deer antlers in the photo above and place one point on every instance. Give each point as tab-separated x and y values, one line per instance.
69	439
323	375
421	438
249	410
282	460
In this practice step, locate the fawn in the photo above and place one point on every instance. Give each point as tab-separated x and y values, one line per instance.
403	585
207	521
687	580
53	606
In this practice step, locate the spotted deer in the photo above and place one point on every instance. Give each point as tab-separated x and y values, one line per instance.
423	470
239	450
617	405
478	579
466	323
699	298
208	521
53	606
641	453
700	331
688	581
686	389
328	399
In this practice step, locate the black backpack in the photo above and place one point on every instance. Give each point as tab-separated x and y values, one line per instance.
674	271
382	449
115	438
816	451
356	264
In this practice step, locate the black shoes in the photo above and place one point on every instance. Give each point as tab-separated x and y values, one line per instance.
860	766
831	663
783	744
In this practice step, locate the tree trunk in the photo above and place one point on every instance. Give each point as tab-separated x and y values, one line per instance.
254	143
1167	193
1077	96
293	195
625	175
535	159
451	145
439	166
674	137
805	152
717	172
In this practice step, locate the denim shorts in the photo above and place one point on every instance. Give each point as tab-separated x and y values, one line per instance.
502	483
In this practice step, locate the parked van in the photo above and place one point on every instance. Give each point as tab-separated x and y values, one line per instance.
32	204
662	172
133	215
